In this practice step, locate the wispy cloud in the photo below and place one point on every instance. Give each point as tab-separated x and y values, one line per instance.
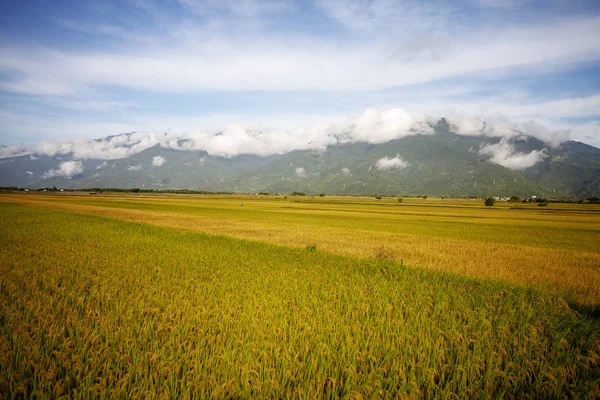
387	15
244	8
261	63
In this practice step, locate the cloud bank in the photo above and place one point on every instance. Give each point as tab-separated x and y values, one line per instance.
372	126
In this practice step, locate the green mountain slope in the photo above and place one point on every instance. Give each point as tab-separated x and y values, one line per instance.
439	164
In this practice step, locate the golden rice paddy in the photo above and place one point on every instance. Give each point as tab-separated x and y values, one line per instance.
298	297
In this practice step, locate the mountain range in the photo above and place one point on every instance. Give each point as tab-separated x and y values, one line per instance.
444	163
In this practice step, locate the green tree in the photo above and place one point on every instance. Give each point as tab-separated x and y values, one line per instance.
490	201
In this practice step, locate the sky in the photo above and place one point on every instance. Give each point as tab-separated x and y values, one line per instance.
77	70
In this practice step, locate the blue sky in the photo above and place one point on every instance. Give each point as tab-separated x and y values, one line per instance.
81	70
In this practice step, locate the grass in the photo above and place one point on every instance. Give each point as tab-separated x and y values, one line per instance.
98	307
556	247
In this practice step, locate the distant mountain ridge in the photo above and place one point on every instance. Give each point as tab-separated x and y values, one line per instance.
440	164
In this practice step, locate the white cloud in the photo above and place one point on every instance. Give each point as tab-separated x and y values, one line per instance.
501	3
261	62
588	133
241	8
388	44
498	125
346	171
29	173
375	126
103	165
387	163
372	126
157	161
15	150
388	15
134	167
300	172
503	153
553	138
65	169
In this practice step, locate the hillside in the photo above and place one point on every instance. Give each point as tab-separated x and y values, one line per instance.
440	164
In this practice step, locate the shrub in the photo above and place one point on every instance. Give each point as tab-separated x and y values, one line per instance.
542	202
378	197
490	201
400	200
311	247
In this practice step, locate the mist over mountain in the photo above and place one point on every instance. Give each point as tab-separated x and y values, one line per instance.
387	153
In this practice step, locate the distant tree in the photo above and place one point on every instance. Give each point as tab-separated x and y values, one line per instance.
425	197
321	194
515	199
54	189
378	197
135	190
542	202
400	200
490	201
298	194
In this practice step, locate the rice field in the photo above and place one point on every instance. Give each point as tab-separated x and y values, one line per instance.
555	247
249	297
